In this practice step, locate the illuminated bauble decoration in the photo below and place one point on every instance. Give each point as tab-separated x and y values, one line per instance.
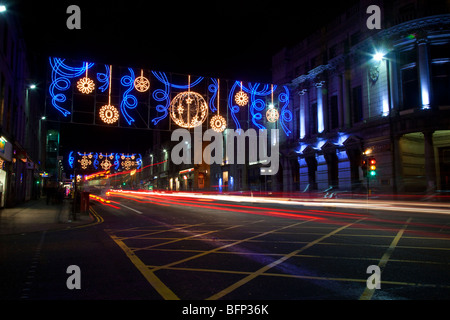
188	109
272	115
109	114
241	98
85	85
141	83
218	123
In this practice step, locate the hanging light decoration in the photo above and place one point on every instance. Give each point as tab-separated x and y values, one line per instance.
85	85
241	98
108	113
188	109
272	114
141	83
218	123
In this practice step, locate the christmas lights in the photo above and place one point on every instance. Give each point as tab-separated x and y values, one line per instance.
104	78
108	113
218	123
213	89
61	75
272	115
241	98
129	101
286	114
188	109
85	85
233	108
141	83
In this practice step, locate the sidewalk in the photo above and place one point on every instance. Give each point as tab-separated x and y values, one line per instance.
36	215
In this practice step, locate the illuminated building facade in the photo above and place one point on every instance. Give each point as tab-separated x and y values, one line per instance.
385	91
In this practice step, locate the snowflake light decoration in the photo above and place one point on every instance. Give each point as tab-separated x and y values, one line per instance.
85	161
241	98
86	85
272	115
218	123
188	109
109	114
141	83
106	164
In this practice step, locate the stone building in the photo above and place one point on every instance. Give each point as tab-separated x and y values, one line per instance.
360	92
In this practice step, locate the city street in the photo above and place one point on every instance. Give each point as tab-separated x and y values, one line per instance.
192	247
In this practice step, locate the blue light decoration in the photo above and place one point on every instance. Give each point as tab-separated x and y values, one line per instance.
234	108
104	78
286	114
70	159
129	101
95	163
258	105
213	89
116	163
61	75
161	95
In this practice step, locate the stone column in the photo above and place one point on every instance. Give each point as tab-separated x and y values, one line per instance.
321	115
424	73
302	120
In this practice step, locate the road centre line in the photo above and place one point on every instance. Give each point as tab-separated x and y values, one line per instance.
129	208
255	274
368	293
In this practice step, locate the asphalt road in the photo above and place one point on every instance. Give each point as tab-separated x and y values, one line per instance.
171	247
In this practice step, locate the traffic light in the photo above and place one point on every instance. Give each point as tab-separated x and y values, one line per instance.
364	167
372	167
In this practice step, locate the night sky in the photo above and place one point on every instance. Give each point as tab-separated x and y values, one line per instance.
224	39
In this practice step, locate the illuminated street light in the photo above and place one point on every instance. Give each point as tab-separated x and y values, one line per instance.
32	86
378	56
2	8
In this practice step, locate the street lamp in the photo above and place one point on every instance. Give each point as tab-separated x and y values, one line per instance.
32	86
2	8
378	56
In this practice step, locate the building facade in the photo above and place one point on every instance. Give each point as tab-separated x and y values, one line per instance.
381	93
19	117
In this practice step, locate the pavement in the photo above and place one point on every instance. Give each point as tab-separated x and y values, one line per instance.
37	215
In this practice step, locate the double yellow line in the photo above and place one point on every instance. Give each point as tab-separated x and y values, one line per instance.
98	218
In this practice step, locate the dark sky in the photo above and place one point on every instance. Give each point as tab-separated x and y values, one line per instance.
224	39
227	39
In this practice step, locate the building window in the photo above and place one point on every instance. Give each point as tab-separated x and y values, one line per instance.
357	104
410	88
440	72
334	112
313	118
441	83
